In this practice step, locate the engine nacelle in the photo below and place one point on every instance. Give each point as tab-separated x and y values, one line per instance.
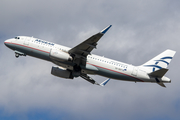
59	55
61	73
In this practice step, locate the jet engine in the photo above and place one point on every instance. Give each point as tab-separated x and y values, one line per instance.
59	55
63	73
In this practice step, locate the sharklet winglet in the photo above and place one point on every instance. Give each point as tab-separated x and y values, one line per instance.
105	82
105	30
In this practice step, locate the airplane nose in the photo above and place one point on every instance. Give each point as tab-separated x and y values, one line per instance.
7	42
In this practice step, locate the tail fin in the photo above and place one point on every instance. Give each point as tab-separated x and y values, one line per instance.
160	61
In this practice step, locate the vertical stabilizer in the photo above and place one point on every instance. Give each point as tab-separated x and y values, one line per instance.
160	61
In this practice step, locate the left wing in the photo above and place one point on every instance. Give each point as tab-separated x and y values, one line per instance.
89	79
80	52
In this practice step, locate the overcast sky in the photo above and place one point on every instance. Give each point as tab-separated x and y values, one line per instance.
141	29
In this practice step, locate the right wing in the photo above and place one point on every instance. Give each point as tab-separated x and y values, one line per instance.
81	51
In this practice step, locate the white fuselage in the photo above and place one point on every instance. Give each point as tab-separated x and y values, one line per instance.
94	64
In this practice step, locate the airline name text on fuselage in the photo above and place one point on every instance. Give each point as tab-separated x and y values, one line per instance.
44	42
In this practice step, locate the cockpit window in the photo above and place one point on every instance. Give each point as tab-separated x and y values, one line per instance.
17	38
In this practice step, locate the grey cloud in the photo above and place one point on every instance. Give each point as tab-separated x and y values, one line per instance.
140	31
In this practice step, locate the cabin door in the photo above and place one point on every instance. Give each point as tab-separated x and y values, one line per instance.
135	71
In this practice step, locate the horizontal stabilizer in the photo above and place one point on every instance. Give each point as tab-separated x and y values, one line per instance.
161	84
105	82
159	73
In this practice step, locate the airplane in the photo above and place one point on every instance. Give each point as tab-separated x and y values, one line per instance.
79	62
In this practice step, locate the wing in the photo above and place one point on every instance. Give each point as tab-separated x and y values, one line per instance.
89	79
81	51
